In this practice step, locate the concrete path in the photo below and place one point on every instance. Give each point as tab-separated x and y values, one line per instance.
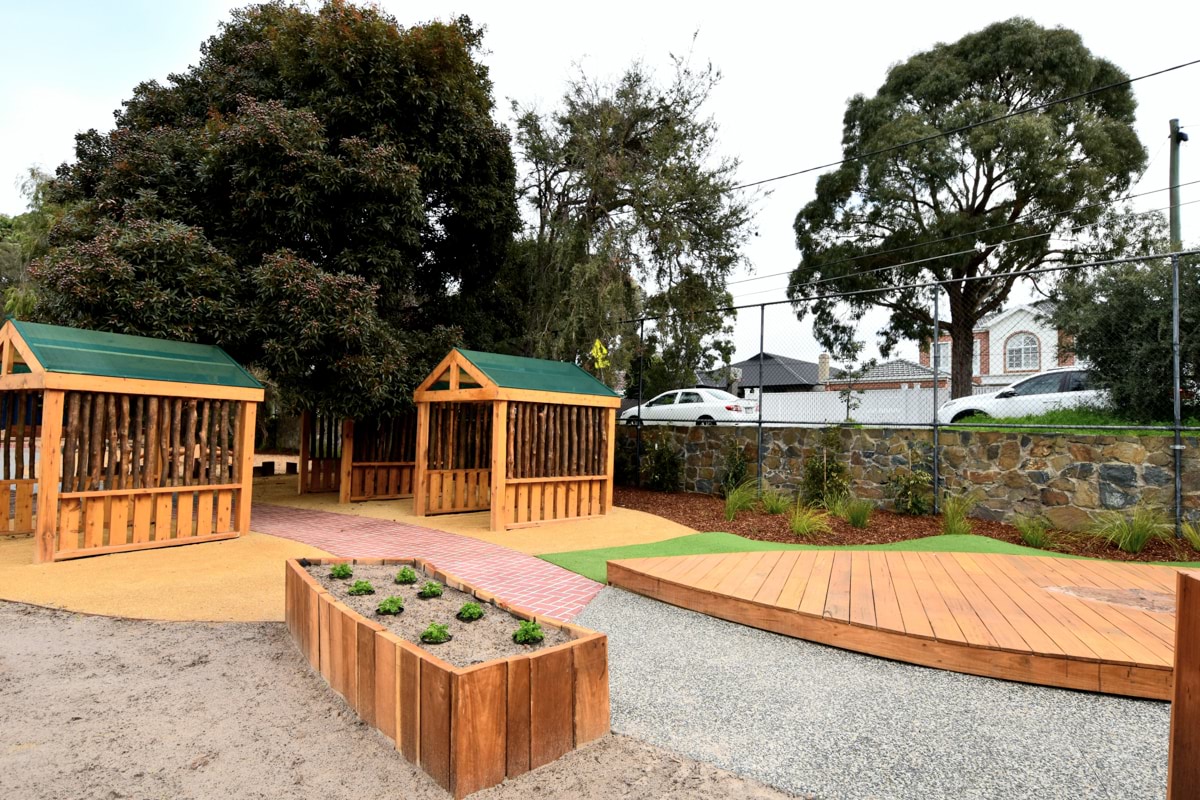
520	579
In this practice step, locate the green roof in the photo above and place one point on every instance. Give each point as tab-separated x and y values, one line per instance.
536	374
118	355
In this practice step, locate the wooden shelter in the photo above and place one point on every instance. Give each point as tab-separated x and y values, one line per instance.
115	443
368	459
530	440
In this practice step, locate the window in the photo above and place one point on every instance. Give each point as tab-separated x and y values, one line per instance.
663	400
944	362
689	397
1042	384
1021	353
723	396
1076	382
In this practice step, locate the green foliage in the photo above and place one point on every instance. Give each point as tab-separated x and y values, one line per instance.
1071	420
808	522
390	605
774	501
662	462
340	571
826	478
1191	534
1052	170
1132	533
324	193
956	511
470	612
734	469
430	589
740	498
1034	530
856	512
1120	320
911	487
436	633
528	632
628	190
406	575
360	588
625	463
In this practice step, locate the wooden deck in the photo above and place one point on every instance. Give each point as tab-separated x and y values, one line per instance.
1078	624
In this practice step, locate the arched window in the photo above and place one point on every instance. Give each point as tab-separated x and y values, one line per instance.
1021	353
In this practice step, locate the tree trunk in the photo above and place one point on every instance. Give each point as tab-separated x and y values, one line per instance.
962	348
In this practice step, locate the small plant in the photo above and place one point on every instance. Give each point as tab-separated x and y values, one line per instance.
470	612
361	587
528	632
774	501
740	498
1191	534
340	571
430	589
1035	531
825	477
807	522
662	463
406	575
390	605
911	489
857	512
1134	532
436	633
956	510
734	472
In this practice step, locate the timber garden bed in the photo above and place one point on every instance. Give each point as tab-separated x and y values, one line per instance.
511	710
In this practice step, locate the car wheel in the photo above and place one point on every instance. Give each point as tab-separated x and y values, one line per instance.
634	421
963	416
706	420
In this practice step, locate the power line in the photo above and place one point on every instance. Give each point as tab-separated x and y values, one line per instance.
971	126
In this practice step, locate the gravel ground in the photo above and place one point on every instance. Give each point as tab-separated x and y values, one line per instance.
104	708
809	718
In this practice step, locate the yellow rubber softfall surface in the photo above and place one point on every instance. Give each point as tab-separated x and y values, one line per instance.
622	526
237	580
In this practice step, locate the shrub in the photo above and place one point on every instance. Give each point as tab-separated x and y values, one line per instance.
807	522
734	473
470	612
825	478
1191	534
662	463
340	571
911	487
406	575
857	512
436	633
1035	531
1134	532
430	589
361	587
528	632
625	464
740	498
956	511
390	605
775	501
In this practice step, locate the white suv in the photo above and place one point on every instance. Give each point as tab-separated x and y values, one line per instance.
1059	388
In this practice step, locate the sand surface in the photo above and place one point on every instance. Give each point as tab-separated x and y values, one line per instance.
96	707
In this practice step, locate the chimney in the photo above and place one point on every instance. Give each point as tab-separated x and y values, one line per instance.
823	369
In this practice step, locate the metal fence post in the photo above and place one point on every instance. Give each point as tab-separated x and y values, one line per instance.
936	361
762	331
1177	388
641	384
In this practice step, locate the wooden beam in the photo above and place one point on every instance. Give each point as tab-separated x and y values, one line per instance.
610	459
559	398
482	395
49	473
1183	755
22	380
347	460
306	421
17	342
245	455
101	383
421	471
499	513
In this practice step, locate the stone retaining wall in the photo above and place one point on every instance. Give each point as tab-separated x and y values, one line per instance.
1064	477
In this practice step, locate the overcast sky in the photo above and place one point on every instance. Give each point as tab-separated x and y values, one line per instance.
788	70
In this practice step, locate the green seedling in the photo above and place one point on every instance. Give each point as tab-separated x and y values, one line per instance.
361	587
430	589
528	632
390	605
470	612
436	633
406	575
340	571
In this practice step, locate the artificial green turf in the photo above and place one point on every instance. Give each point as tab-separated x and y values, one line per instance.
594	563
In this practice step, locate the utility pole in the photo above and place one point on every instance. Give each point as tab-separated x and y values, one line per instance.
1178	137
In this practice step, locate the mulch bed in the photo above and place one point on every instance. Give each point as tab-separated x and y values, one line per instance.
703	512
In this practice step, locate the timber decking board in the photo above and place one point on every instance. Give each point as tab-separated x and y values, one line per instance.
1014	617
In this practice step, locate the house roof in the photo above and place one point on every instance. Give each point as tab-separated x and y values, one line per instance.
1037	308
78	351
536	374
899	369
777	370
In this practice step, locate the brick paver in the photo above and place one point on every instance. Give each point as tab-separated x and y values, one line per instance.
520	579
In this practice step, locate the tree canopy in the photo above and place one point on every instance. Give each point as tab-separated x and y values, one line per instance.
325	194
1035	178
631	211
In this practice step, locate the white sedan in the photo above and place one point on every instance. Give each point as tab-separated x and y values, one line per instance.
701	406
1058	388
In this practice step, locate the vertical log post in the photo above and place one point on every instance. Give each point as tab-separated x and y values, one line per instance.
501	465
51	470
244	470
421	470
610	428
347	460
305	454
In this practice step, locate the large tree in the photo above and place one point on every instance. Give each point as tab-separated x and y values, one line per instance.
325	194
631	210
1043	172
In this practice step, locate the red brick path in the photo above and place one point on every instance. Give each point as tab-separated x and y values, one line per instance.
520	579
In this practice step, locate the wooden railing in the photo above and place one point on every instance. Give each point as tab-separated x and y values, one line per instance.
381	480
455	490
320	463
20	495
532	500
